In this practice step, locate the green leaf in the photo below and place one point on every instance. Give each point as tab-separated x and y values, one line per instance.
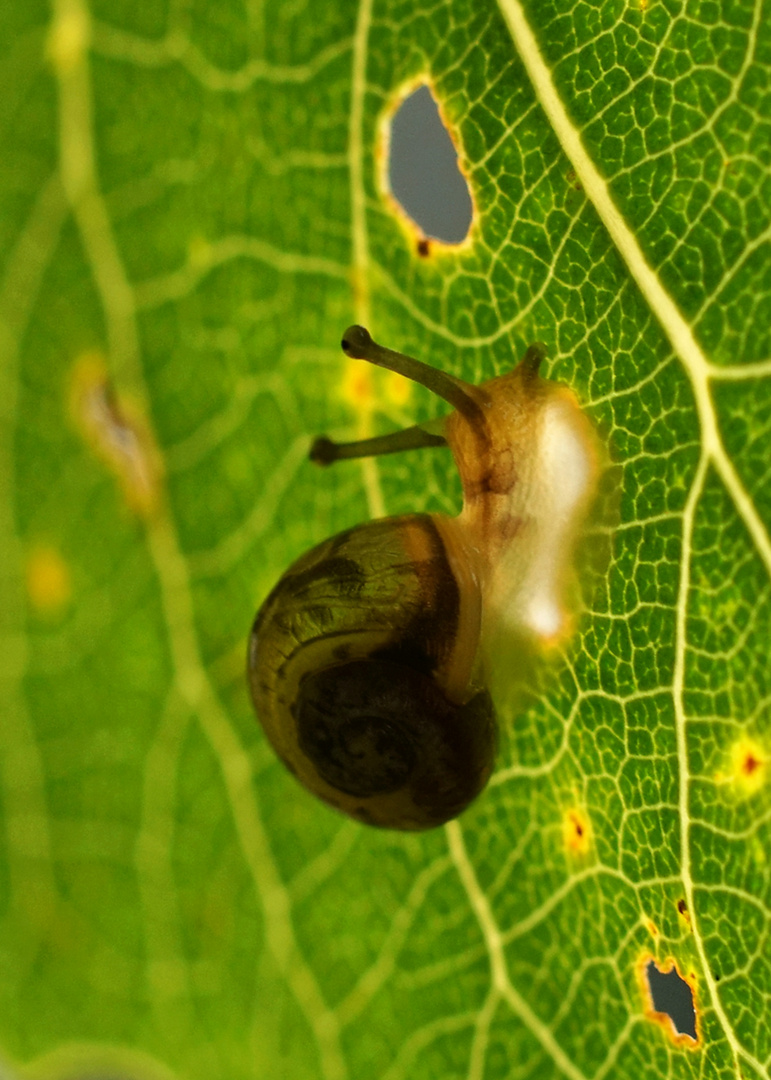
191	211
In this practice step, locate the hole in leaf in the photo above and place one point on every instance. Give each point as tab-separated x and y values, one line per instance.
423	173
672	996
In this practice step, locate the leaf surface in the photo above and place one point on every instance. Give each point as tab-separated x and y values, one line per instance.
191	210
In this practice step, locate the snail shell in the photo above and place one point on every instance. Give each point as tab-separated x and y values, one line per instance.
367	662
360	663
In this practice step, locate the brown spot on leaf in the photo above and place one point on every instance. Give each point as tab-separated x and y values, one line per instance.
576	831
116	431
748	769
750	764
682	908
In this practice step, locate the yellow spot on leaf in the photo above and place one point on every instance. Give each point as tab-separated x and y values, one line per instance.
398	389
748	768
69	36
651	927
750	764
48	580
576	831
116	433
357	386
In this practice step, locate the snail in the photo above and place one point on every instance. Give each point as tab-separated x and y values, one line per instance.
369	661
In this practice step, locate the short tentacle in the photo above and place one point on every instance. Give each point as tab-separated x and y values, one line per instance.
325	451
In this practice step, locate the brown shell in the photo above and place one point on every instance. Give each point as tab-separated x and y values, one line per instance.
362	666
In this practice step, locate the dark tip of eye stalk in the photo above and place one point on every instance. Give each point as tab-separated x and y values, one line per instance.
533	358
357	343
323	451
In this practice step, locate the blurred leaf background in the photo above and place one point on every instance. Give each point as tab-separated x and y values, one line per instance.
191	210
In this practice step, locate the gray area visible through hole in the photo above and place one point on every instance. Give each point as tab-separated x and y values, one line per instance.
423	171
672	995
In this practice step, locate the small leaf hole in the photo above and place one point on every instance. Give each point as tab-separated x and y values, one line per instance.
423	172
672	996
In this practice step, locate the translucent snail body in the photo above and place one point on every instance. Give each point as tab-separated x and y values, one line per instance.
528	481
369	661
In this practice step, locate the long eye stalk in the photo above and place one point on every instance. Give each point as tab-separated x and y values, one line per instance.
324	451
464	398
358	343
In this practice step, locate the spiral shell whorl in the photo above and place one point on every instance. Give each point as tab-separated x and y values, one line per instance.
360	664
388	736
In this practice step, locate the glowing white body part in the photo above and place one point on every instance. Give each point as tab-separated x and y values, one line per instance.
565	474
526	503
